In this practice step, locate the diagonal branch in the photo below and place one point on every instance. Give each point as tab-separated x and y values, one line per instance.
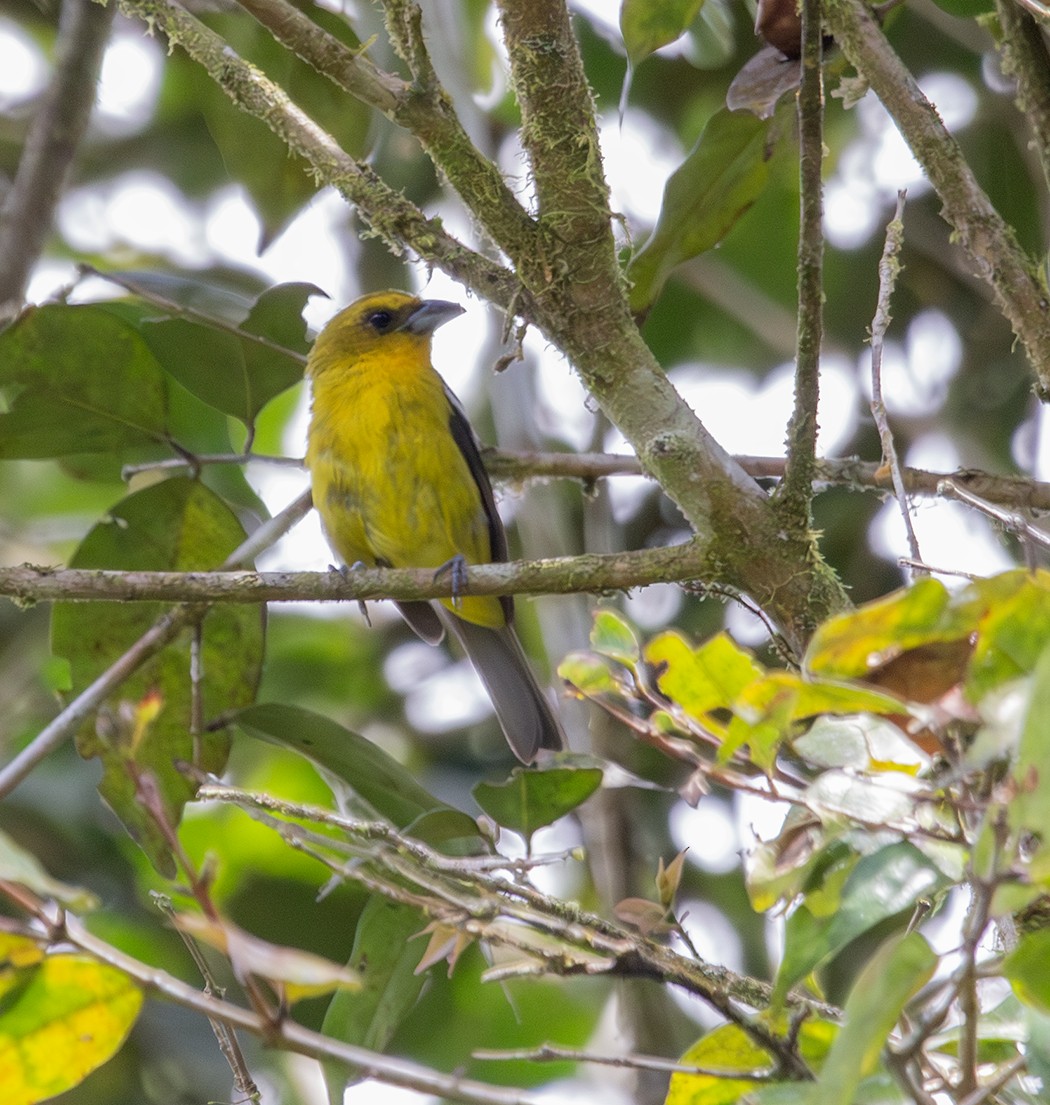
284	1032
51	144
387	212
421	107
1023	51
990	242
153	641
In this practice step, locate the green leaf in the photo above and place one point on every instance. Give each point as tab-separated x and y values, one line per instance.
1013	631
450	831
850	645
702	679
1025	969
233	373
176	525
277	315
385	957
723	175
532	798
1037	1045
71	1016
646	25
208	362
966	9
881	885
729	1051
612	636
1029	810
587	674
377	778
897	971
857	742
77	380
18	865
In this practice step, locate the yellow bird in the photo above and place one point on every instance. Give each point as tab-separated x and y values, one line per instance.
399	482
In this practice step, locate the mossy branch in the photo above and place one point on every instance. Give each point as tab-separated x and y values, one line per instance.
560	136
1019	286
795	494
389	215
592	572
1023	51
422	107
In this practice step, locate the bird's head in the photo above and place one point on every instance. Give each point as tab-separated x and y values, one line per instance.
382	321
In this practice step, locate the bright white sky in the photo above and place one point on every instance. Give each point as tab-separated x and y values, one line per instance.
142	210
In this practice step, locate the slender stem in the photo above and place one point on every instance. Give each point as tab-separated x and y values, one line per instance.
62	727
51	145
889	269
551	1053
1017	281
859	475
287	1034
795	494
153	641
1024	56
386	211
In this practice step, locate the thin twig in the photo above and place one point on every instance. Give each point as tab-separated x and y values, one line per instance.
889	269
518	466
153	641
554	933
552	1053
224	1033
51	145
62	727
193	314
1012	521
795	493
372	831
989	241
285	1033
988	1091
969	1005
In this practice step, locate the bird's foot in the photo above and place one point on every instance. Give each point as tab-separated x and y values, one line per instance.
344	570
457	569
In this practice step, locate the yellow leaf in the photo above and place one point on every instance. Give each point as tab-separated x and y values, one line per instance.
72	1015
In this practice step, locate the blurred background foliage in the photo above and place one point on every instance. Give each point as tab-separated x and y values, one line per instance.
173	180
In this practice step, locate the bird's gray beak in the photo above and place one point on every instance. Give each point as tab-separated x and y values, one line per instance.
429	315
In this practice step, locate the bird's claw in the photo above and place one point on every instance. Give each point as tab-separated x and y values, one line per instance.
457	569
344	570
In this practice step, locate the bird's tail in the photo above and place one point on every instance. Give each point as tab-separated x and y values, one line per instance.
526	717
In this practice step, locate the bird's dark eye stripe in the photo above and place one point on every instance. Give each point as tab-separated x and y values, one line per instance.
380	320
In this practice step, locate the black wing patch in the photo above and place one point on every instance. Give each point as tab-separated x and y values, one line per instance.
463	435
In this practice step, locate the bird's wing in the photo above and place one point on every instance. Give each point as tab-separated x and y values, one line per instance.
463	435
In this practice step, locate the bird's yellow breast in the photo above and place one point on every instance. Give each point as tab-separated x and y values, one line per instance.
389	481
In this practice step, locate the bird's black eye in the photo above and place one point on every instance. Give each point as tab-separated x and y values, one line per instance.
380	320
